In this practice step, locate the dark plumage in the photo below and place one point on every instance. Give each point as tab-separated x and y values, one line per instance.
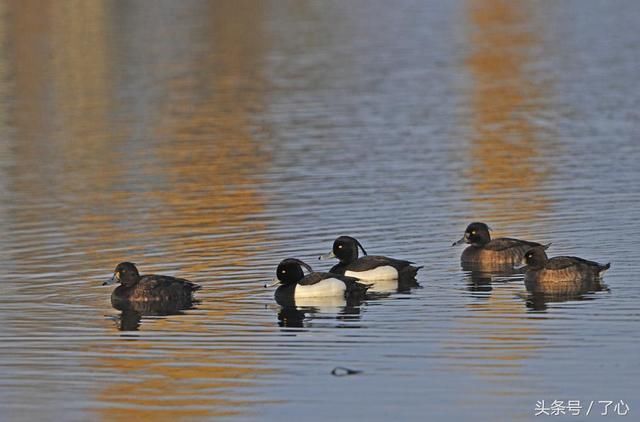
488	252
293	282
149	288
561	274
368	267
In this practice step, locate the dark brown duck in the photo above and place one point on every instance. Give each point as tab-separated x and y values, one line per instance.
561	274
486	251
149	288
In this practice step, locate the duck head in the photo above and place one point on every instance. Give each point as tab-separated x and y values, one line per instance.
476	234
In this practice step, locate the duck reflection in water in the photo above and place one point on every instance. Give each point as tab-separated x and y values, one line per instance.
479	277
537	301
132	312
294	313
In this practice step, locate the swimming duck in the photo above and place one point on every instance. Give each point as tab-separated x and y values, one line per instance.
560	274
294	284
368	267
149	288
487	251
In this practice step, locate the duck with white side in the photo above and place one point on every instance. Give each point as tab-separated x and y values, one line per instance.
368	267
294	284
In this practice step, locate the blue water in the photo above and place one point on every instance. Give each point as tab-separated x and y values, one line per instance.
211	140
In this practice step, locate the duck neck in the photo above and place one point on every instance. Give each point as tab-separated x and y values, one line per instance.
346	260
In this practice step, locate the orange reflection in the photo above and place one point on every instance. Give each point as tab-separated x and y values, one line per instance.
209	161
507	159
183	196
507	166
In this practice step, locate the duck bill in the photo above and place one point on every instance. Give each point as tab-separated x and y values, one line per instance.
112	280
274	283
460	242
327	256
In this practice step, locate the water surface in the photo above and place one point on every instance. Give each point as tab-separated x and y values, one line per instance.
210	140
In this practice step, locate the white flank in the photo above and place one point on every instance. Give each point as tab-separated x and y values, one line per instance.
322	304
324	288
377	274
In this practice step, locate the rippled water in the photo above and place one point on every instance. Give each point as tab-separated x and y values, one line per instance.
212	140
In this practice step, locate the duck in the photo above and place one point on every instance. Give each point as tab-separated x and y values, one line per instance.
487	252
367	267
149	288
294	284
560	274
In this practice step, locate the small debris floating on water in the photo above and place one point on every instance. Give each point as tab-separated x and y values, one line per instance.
341	371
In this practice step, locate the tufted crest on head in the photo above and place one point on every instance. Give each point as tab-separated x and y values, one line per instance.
345	248
289	270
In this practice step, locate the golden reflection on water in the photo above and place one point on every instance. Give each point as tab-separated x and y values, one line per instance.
505	157
201	180
506	152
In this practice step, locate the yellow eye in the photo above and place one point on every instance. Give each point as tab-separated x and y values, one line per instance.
283	271
339	246
473	232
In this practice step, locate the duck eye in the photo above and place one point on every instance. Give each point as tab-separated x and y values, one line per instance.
473	232
339	246
283	271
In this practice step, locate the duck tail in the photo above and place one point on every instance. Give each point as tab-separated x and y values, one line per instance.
603	268
195	287
546	245
410	271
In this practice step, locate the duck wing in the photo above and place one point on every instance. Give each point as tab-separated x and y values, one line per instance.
312	278
562	262
153	282
504	243
370	262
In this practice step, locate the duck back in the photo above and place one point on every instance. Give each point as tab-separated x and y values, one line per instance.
503	250
156	288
